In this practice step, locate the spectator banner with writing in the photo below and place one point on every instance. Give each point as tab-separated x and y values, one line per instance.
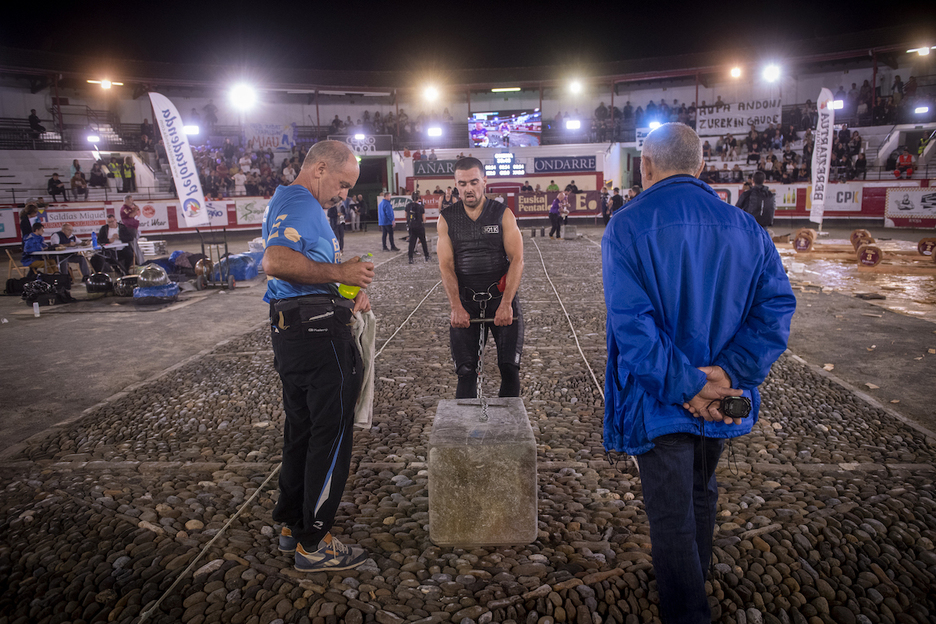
537	204
822	156
641	136
557	164
264	136
737	117
910	207
184	169
423	168
367	144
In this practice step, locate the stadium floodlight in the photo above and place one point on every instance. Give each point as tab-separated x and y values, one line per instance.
921	110
653	125
573	124
359	137
838	104
575	87
431	94
434	131
771	73
93	138
924	51
735	72
505	90
191	129
105	84
243	96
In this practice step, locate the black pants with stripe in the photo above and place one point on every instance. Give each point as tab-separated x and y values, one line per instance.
320	368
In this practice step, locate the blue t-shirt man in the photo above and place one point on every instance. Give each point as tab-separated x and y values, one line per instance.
296	220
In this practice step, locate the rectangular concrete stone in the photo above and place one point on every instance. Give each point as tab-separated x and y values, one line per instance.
482	475
569	232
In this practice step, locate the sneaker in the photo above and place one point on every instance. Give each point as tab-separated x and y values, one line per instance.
394	249
287	543
428	259
331	555
411	261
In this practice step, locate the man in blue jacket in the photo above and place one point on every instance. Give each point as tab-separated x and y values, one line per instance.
699	308
385	219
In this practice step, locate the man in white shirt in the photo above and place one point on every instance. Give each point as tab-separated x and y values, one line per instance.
239	181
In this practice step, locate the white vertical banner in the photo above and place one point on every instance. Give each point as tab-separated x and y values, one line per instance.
822	156
184	169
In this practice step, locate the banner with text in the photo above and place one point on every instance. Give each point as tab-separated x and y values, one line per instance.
424	168
250	211
910	207
264	136
822	156
557	164
184	169
366	144
737	117
538	204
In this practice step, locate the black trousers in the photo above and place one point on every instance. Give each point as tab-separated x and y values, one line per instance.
339	234
320	368
420	235
555	221
387	230
509	341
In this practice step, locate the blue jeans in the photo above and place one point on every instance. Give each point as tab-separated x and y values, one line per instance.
682	520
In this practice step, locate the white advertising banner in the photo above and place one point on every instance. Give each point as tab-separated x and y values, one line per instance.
264	136
216	213
822	157
84	220
910	207
8	224
250	210
785	194
154	217
184	168
737	117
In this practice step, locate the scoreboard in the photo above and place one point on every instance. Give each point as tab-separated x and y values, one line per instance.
505	165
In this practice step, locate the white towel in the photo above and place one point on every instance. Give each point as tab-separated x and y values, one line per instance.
365	335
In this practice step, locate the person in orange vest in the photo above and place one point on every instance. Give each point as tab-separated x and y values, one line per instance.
904	163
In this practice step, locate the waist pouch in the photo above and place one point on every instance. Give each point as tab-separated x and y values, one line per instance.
315	316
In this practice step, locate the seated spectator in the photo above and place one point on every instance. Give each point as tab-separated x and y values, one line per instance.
432	155
526	188
32	243
571	188
904	164
417	156
113	232
754	154
98	177
79	186
56	187
861	166
438	190
35	124
736	174
552	186
64	239
706	151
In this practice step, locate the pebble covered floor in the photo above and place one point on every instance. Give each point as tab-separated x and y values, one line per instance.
827	511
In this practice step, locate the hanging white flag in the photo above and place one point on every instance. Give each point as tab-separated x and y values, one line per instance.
184	169
822	155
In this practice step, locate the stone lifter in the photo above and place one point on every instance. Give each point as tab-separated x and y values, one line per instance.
481	258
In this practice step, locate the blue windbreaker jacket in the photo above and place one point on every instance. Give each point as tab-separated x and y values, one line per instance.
385	214
689	281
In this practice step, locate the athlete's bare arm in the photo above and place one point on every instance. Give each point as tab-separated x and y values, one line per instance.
459	316
513	245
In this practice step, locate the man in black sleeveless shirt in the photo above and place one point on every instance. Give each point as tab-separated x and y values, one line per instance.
481	258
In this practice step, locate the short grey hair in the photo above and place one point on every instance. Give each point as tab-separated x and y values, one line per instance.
674	147
333	153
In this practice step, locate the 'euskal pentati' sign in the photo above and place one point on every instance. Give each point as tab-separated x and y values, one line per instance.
434	168
556	164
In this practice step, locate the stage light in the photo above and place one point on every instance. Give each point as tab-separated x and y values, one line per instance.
243	96
575	87
93	138
653	125
359	137
191	129
431	94
921	110
838	104
573	124
505	90
735	72
771	73
434	131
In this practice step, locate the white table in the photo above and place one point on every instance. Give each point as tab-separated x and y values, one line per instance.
70	251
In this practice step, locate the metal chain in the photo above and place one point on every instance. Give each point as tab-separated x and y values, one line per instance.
480	368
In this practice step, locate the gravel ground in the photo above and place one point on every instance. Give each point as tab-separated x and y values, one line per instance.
827	512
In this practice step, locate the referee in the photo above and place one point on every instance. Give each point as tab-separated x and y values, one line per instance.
314	354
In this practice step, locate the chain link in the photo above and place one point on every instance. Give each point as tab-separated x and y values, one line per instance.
480	368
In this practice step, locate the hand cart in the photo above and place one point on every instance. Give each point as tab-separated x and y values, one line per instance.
211	249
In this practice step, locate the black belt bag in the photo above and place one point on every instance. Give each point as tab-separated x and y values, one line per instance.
323	316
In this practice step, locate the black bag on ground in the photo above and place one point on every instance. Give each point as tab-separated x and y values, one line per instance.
58	281
14	285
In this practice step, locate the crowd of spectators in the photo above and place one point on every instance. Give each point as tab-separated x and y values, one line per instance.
401	126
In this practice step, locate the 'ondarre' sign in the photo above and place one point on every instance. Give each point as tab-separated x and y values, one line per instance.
565	163
370	143
737	117
423	168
